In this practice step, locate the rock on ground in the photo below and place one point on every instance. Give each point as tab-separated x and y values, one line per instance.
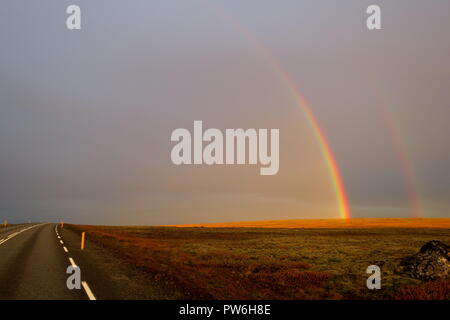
432	262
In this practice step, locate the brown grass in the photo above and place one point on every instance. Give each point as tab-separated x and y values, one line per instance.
436	290
269	263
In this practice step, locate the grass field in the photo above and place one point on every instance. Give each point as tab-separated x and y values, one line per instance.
310	259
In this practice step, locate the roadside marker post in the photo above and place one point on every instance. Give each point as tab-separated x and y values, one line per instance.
82	241
5	223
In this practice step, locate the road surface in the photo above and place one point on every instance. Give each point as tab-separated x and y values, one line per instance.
33	264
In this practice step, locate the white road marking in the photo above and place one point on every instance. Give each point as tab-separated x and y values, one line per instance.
65	249
72	262
85	285
19	232
88	290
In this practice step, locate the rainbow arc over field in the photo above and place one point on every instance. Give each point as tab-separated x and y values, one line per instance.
327	153
330	160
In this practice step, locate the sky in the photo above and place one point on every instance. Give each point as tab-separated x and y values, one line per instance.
86	115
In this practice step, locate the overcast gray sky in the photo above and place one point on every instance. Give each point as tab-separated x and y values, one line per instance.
86	116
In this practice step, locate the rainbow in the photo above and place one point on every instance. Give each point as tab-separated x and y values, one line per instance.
400	150
406	165
327	153
330	160
407	171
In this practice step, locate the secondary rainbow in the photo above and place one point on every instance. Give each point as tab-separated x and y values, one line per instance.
400	149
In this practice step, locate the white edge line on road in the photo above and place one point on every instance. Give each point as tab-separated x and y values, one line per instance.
88	290
72	262
16	233
61	242
65	249
84	283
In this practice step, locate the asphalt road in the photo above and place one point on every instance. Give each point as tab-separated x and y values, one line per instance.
33	264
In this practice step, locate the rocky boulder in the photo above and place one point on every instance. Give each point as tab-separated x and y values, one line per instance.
432	262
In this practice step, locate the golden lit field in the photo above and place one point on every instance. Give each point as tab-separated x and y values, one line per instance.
357	223
296	259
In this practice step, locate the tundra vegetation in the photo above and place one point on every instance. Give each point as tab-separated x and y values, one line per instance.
276	263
